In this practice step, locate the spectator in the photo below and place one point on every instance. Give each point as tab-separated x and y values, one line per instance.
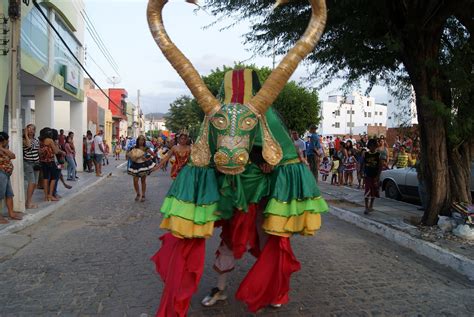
61	139
106	153
325	168
383	150
71	134
31	164
402	158
334	169
331	146
98	153
47	153
89	144
313	151
6	169
350	165
372	167
299	143
70	154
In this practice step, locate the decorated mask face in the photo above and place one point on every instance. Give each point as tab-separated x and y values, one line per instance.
231	125
233	129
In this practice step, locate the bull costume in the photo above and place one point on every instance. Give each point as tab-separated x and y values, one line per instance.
245	176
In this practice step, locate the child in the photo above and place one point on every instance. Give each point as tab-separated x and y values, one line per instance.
334	169
350	165
402	158
360	170
372	166
118	150
106	153
325	168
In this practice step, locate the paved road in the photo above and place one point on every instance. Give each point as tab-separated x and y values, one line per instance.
92	258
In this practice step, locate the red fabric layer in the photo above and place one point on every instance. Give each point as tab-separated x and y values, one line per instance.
268	282
180	263
238	86
240	232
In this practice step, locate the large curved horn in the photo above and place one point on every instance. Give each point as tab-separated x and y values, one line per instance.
181	64
279	77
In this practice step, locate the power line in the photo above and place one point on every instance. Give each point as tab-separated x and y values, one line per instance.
37	6
94	39
98	39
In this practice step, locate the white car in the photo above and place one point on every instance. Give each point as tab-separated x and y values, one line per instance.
403	183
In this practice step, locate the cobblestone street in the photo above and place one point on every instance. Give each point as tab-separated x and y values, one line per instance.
91	257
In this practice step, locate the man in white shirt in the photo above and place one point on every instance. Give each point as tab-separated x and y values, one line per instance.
98	152
299	143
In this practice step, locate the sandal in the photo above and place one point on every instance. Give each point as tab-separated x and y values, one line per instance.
4	221
137	198
142	199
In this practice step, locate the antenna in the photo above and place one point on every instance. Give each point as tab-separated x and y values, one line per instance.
114	80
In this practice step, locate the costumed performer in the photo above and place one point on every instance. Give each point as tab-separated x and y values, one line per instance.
140	165
244	174
181	153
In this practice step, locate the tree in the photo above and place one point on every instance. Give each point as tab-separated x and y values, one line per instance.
424	43
184	113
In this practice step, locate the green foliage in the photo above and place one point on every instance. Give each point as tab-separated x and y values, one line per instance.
297	105
153	133
184	113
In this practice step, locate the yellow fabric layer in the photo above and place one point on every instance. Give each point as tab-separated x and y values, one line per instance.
183	228
228	87
305	224
248	85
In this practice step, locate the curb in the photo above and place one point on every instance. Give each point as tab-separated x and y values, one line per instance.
30	220
457	262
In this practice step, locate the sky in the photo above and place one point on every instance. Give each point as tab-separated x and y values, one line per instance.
123	27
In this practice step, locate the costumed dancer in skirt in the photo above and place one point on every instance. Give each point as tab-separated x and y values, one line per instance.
181	153
140	165
244	175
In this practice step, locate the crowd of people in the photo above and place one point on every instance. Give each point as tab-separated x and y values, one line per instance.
344	160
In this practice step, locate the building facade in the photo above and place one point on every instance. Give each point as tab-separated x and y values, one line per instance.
402	113
351	115
51	86
118	107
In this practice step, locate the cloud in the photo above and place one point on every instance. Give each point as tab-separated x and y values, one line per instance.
207	62
171	84
151	102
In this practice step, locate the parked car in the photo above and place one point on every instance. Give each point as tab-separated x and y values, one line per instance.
403	183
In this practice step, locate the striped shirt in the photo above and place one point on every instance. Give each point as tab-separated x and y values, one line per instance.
31	153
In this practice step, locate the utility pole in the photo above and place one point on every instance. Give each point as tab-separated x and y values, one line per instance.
14	98
139	119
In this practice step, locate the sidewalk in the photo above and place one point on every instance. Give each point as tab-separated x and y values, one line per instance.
32	216
390	219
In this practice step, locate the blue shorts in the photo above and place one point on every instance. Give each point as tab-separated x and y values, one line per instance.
5	186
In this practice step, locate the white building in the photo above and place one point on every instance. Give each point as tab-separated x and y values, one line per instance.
351	115
155	124
402	113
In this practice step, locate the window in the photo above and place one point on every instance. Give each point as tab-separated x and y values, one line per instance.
348	112
380	124
376	113
390	118
365	114
369	114
337	125
350	124
368	103
337	112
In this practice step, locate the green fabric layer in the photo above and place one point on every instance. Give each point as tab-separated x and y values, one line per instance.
197	185
296	207
237	191
200	215
293	182
280	133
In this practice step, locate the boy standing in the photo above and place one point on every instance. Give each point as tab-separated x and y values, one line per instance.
372	167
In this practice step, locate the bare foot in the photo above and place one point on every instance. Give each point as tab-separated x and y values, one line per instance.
3	220
16	216
31	206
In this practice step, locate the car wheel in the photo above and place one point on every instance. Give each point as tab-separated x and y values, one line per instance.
391	191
